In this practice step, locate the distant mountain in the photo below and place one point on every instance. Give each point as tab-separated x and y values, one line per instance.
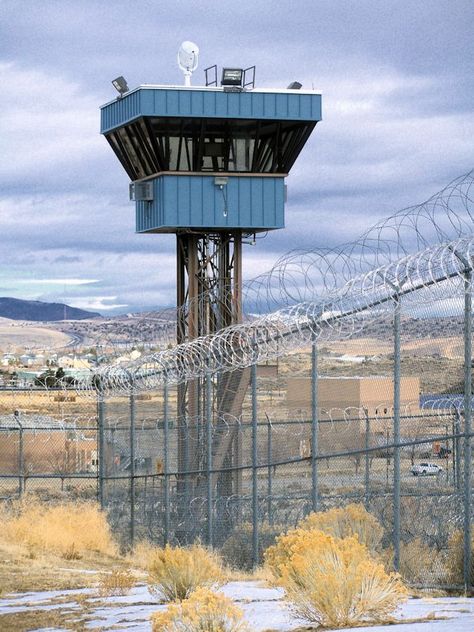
18	309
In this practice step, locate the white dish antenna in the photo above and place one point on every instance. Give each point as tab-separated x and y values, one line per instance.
188	57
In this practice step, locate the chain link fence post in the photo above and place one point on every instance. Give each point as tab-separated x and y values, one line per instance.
269	471
101	448
367	459
457	450
396	430
132	466
210	525
467	427
166	465
314	425
253	379
21	454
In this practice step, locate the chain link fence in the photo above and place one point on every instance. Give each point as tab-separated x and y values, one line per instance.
319	428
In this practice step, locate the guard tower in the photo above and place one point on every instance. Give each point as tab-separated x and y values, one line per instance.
209	165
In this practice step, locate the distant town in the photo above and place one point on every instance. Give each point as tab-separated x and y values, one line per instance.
35	352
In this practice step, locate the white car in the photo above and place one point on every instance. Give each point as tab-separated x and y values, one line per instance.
426	469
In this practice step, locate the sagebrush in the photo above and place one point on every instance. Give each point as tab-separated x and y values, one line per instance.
334	582
343	522
421	563
204	611
175	572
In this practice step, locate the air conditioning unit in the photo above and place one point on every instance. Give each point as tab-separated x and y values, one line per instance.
141	191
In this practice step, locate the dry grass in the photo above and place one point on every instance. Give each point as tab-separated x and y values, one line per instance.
142	554
421	563
455	557
33	619
23	570
47	547
67	529
174	573
117	583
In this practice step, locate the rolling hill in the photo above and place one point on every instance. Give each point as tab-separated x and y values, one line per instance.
19	309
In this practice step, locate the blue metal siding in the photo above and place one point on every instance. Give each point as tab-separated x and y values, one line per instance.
254	203
210	103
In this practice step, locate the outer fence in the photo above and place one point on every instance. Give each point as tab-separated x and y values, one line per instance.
126	454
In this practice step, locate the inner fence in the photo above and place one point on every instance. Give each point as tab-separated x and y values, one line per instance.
293	458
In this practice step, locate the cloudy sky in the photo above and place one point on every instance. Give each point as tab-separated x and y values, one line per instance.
397	83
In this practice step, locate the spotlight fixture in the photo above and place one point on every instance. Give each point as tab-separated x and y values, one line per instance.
294	85
120	85
232	77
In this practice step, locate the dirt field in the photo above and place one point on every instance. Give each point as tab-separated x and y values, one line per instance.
450	347
17	336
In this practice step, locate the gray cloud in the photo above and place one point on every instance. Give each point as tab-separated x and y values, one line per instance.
397	107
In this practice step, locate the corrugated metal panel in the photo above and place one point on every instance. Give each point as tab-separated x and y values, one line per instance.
253	203
212	104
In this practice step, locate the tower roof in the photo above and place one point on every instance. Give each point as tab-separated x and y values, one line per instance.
213	102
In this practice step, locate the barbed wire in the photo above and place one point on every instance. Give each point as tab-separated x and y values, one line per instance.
349	286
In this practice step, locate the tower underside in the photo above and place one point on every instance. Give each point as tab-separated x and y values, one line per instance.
209	298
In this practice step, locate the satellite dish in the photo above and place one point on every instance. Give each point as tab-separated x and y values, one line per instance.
188	56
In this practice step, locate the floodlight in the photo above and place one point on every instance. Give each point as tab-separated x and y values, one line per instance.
120	85
294	85
188	57
232	76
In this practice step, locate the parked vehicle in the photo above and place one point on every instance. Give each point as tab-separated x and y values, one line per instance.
426	469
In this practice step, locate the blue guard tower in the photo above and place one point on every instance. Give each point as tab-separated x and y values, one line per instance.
209	165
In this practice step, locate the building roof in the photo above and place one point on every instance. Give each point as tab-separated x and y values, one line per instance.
210	102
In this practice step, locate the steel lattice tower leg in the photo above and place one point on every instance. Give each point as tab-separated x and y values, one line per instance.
209	297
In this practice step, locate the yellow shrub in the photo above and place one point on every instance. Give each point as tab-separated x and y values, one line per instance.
117	583
352	520
334	582
68	529
174	572
204	611
342	522
278	556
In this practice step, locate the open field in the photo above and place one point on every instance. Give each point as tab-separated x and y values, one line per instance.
450	347
16	336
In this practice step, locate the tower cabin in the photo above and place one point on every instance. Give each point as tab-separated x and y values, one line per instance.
209	158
